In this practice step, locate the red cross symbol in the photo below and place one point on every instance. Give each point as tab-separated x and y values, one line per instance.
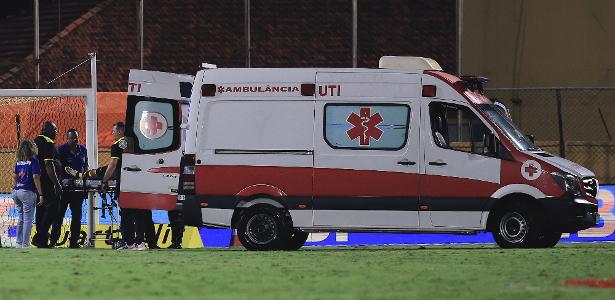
364	126
530	170
152	125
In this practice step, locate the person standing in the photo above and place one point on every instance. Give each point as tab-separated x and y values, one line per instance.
26	192
112	171
145	230
50	184
134	222
73	155
176	221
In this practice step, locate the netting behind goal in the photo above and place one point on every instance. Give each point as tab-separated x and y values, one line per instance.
65	112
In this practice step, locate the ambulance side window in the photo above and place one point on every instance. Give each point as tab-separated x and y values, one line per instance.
366	126
456	127
153	124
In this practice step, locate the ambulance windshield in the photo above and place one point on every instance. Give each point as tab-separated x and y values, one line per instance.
514	134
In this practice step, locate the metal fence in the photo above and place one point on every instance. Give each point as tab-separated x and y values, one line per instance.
577	123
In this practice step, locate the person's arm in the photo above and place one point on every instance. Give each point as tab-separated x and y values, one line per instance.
110	169
39	188
87	163
51	172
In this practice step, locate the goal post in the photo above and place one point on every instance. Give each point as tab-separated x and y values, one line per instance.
91	126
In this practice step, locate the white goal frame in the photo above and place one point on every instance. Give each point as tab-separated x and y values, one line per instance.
91	127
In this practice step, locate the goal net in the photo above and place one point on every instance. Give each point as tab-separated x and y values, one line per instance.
21	119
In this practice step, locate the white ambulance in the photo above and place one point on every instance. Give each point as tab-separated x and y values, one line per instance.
278	153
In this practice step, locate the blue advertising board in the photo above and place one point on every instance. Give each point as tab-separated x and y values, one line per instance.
604	231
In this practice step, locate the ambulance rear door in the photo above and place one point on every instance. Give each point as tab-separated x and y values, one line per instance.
156	113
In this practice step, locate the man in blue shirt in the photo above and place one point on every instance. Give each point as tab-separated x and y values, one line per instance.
73	155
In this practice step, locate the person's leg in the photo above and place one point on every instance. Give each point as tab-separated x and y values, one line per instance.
176	221
139	226
150	232
127	223
17	195
56	223
51	212
39	216
29	206
76	205
41	238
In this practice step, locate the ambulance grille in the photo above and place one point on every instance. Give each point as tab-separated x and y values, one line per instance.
591	186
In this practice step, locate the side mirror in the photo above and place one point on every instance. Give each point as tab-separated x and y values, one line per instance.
530	137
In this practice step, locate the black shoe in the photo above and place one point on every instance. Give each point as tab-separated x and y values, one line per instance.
74	246
38	245
175	246
153	247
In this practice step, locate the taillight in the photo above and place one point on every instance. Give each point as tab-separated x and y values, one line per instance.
187	176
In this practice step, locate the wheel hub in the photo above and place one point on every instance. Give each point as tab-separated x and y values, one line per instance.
513	227
261	229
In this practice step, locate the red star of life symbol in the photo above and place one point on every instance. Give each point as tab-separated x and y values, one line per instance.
364	126
153	125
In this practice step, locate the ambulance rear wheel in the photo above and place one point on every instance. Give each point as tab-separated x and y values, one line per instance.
516	227
263	228
296	239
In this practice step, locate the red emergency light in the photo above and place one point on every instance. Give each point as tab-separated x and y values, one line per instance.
308	89
208	90
429	91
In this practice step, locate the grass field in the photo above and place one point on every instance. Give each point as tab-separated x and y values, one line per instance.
412	272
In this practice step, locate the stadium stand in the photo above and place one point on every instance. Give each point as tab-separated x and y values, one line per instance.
179	36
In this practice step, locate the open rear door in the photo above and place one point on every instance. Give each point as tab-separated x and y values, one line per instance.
157	108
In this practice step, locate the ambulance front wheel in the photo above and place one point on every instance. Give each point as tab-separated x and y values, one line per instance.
516	227
263	228
548	239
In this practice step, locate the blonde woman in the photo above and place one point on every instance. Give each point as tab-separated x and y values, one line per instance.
26	192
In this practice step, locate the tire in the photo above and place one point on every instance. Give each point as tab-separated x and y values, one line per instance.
516	227
263	228
548	239
296	240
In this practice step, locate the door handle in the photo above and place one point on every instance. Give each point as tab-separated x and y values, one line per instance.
405	162
437	163
132	169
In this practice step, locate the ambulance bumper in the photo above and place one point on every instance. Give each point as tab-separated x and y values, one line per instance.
570	214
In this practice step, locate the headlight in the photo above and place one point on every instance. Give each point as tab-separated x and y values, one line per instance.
567	182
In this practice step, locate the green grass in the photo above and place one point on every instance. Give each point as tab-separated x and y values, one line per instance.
413	272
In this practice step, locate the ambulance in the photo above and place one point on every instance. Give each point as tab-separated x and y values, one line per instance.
279	153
